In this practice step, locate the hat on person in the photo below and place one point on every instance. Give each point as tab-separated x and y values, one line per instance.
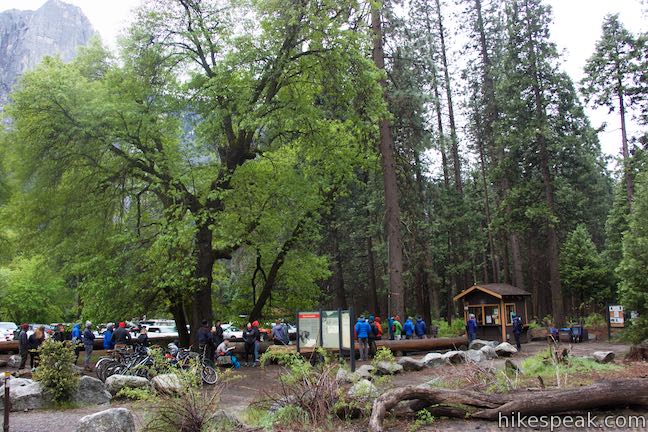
255	324
24	326
122	324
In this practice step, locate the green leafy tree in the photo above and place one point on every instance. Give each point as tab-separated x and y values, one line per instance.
633	269
608	80
587	279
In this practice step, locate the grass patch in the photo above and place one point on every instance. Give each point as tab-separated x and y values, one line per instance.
541	365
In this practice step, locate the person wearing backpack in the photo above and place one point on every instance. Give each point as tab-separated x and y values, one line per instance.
420	328
517	330
408	328
362	330
398	328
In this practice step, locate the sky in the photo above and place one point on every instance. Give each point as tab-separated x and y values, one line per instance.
576	28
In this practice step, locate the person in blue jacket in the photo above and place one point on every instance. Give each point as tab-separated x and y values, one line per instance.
77	341
471	328
517	330
108	344
408	328
362	330
420	328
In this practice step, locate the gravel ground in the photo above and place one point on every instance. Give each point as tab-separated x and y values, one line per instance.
241	393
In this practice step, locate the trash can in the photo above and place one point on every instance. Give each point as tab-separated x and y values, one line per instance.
565	335
577	334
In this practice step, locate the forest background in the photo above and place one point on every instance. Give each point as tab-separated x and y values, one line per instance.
259	157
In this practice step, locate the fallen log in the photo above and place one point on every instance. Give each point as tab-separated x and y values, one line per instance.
472	404
430	344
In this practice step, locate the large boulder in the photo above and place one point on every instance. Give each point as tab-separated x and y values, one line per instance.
110	420
14	361
364	389
505	349
363	372
91	391
512	367
489	352
388	368
24	397
410	364
455	357
434	359
475	356
114	383
477	344
603	356
167	384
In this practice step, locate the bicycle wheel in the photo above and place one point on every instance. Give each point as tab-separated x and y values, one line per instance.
209	375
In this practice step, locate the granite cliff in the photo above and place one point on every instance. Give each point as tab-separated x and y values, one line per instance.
57	28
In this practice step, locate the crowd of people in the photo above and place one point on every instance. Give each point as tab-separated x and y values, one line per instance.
369	330
212	343
83	340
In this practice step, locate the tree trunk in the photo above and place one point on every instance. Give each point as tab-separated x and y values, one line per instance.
202	299
371	276
338	273
392	206
178	312
278	262
552	235
490	406
627	170
456	162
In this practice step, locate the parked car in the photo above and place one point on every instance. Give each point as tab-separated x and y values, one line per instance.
232	332
162	331
292	332
7	330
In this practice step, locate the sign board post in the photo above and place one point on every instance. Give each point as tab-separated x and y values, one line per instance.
326	329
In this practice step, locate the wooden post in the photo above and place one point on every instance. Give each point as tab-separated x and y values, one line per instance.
297	340
352	330
7	403
503	320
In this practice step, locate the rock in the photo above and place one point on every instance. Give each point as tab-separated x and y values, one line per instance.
364	389
110	420
114	383
475	355
24	373
455	357
434	382
342	376
434	359
388	368
363	372
16	382
603	356
77	370
477	344
511	366
91	391
14	361
24	397
55	29
505	349
410	364
167	384
489	352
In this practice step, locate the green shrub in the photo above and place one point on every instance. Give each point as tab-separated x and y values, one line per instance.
190	411
55	371
595	320
533	324
457	328
423	418
142	394
383	354
541	365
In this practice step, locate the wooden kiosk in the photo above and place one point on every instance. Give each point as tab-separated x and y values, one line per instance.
493	306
